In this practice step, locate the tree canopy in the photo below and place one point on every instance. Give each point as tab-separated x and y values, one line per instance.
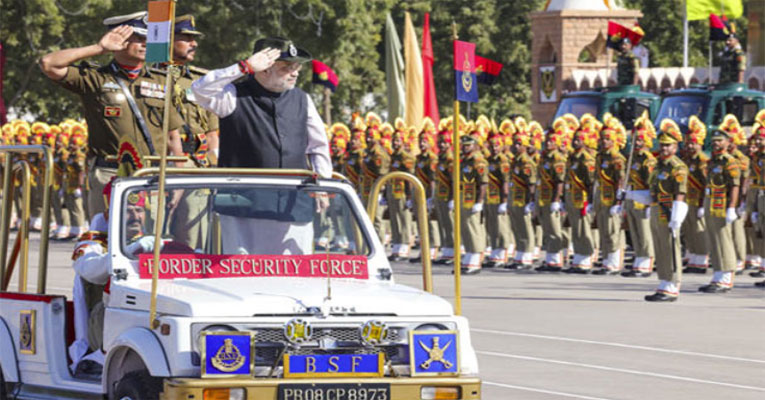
347	35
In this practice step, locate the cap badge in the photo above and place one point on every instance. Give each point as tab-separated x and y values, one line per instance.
293	50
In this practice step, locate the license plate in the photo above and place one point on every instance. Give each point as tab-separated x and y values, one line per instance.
333	365
334	391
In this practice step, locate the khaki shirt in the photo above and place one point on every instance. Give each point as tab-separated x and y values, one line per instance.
425	170
668	180
723	173
756	171
581	177
352	168
444	176
110	119
697	178
611	172
499	176
474	174
402	161
376	164
524	176
552	171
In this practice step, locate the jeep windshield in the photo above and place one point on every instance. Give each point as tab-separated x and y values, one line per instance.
681	108
578	105
244	220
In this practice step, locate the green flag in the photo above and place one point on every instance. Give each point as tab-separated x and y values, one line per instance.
394	71
700	9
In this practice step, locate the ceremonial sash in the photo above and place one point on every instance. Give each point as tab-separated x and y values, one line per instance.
545	188
578	191
399	189
443	185
495	187
718	201
519	191
695	188
468	194
607	185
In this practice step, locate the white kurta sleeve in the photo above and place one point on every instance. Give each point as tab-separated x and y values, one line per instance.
318	146
92	264
215	91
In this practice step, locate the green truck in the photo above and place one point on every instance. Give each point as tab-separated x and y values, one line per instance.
626	102
711	104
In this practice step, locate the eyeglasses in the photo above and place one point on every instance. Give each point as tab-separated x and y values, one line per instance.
288	67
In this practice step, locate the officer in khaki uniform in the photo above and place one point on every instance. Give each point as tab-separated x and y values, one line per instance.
611	171
723	183
199	134
753	237
758	165
639	214
474	180
353	164
400	215
522	192
552	174
732	60
627	64
425	171
376	163
497	222
731	125
106	94
60	158
668	186
444	203
579	183
695	226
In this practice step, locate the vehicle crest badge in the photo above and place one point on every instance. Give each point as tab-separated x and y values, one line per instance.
434	352
297	331
227	354
374	332
27	332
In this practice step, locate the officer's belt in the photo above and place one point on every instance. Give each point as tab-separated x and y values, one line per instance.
134	107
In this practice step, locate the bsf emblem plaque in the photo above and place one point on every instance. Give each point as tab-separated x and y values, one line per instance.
434	353
227	354
27	332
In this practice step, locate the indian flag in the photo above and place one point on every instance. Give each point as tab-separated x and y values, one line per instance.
159	37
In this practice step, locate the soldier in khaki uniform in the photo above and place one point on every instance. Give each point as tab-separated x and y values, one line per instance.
579	183
695	226
668	186
552	174
474	180
731	125
754	242
722	192
353	164
758	174
611	171
536	139
444	203
522	192
199	135
60	156
639	214
425	171
106	92
397	194
376	163
75	183
497	222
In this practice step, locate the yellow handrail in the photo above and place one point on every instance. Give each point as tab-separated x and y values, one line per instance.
422	218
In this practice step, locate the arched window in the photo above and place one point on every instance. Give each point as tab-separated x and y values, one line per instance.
594	50
547	53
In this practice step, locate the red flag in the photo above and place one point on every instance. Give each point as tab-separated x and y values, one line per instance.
487	71
618	32
718	28
3	119
323	75
431	104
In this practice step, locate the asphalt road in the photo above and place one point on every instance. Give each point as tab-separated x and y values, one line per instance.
543	336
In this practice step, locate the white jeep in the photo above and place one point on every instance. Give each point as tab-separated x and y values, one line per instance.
285	294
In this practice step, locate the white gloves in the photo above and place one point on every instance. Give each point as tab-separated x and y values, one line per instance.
730	215
143	245
640	196
61	193
409	204
741	210
615	210
502	209
477	207
700	213
77	193
555	206
381	201
588	209
754	217
430	203
620	194
648	212
451	205
679	212
529	208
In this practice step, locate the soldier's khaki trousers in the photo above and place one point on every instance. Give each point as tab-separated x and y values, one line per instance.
76	209
190	220
400	219
753	236
445	223
696	238
610	230
640	232
472	232
61	216
98	177
434	236
723	253
377	220
739	241
497	227
581	235
524	234
666	248
551	229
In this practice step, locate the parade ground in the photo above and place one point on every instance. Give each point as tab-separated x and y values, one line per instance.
542	336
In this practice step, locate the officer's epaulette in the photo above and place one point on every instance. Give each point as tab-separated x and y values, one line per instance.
197	70
156	70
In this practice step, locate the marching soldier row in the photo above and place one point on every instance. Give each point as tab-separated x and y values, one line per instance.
570	192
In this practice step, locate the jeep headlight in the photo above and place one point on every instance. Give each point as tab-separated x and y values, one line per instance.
373	333
431	327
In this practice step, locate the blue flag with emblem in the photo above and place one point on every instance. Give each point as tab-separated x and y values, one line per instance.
227	354
434	353
465	82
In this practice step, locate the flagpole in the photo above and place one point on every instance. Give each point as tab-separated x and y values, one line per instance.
327	105
456	183
685	34
709	73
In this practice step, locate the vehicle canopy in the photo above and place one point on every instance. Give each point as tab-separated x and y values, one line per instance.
710	104
626	102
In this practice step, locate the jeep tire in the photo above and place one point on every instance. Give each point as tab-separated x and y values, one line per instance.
137	385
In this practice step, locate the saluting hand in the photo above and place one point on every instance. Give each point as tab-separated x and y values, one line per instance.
263	59
116	39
